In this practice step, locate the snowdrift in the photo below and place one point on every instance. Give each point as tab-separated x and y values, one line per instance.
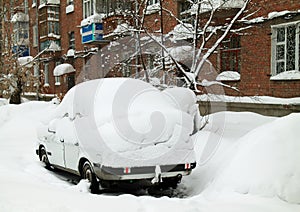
267	162
27	186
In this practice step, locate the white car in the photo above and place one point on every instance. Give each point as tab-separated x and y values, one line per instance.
122	131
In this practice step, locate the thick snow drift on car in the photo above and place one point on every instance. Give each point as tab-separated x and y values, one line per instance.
127	122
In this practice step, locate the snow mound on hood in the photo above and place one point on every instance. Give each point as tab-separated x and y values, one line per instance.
265	163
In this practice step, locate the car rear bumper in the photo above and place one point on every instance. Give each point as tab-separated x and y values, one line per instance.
139	173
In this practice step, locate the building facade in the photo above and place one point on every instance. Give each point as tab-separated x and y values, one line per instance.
259	57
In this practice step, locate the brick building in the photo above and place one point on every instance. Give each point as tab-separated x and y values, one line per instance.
263	58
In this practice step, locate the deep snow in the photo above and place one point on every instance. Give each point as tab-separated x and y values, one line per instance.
254	168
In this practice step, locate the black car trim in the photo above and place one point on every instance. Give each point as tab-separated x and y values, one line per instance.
145	169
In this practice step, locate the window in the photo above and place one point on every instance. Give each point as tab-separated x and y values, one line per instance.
109	7
49	21
184	12
45	44
285	48
33	3
43	2
71	40
46	74
57	78
70	2
20	32
70	6
26	6
35	36
88	8
231	54
150	2
53	28
36	70
49	27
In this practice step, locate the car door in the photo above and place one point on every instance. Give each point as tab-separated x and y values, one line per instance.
71	146
54	144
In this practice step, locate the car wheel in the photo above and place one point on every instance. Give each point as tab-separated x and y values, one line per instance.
44	158
88	173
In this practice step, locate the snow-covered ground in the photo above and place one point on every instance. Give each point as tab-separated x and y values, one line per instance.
256	167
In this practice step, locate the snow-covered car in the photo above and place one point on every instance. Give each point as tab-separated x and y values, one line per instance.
122	131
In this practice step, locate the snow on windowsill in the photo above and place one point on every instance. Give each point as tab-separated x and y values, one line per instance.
153	8
46	85
57	84
52	35
33	5
271	16
287	75
53	1
96	18
42	5
69	8
228	76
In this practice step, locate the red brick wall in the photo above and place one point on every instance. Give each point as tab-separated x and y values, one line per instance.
255	50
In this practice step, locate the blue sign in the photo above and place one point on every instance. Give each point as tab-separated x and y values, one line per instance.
92	32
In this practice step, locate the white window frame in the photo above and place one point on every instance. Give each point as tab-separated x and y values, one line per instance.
57	78
36	70
35	36
275	43
88	8
46	75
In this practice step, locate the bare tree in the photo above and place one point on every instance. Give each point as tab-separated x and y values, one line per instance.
201	33
15	73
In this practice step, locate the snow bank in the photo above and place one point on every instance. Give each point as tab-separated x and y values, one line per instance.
27	186
267	162
216	144
3	101
249	99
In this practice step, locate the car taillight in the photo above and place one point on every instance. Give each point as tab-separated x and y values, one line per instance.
127	170
187	166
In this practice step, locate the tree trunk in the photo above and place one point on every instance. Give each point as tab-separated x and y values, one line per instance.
15	97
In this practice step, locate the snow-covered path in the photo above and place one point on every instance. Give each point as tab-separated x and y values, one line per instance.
26	186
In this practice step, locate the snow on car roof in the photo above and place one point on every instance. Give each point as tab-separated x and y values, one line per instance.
130	118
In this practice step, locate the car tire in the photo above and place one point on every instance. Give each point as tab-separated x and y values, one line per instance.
88	173
44	158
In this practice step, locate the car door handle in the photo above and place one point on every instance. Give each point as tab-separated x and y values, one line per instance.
76	144
62	140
